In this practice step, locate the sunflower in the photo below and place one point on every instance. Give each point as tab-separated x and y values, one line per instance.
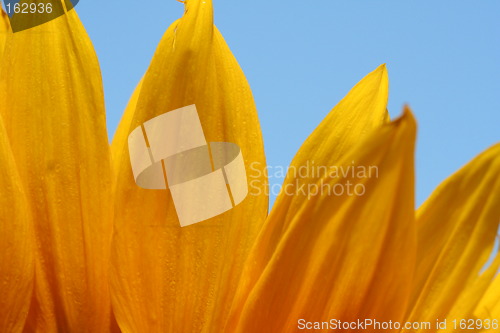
84	249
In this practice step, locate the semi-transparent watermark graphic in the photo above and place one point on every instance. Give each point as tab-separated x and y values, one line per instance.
170	152
25	14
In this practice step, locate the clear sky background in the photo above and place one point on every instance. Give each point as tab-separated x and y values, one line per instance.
302	57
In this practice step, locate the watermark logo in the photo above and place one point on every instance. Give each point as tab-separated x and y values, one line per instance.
26	14
170	152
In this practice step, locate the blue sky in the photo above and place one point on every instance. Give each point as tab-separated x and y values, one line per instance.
302	57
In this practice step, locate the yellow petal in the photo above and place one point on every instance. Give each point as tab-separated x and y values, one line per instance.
52	102
457	227
343	256
166	278
362	110
16	244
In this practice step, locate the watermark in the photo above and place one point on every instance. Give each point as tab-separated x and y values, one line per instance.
170	152
376	325
207	179
312	179
26	14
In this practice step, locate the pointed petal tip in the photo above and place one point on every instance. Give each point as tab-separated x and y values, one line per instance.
382	70
381	76
403	129
407	110
406	121
191	5
195	27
